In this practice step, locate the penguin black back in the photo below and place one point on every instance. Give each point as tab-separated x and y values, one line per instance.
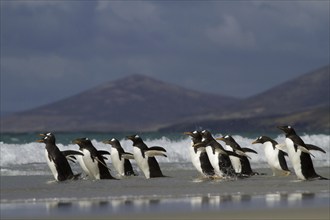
56	158
95	157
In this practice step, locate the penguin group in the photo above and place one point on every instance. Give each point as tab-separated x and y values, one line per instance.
92	161
212	160
209	157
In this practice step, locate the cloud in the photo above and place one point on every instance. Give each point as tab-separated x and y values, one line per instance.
195	44
231	34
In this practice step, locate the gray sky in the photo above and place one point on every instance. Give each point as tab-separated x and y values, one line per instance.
54	49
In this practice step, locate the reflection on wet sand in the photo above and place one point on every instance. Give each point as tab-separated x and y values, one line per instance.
189	203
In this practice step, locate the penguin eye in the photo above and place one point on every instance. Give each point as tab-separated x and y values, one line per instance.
113	139
289	127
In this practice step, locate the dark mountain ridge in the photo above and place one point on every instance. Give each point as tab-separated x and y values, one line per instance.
141	103
133	103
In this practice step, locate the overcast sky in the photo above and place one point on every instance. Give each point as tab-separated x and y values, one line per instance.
54	49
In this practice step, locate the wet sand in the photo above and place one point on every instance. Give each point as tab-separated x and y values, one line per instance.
181	196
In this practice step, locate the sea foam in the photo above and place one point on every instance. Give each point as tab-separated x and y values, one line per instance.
16	155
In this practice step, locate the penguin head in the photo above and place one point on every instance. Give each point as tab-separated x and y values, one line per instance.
226	139
135	138
47	138
113	142
260	140
194	134
264	139
287	129
82	142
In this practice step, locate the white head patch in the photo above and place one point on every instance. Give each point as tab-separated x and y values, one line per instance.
113	139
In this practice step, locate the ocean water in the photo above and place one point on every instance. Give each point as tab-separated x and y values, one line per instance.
21	155
28	189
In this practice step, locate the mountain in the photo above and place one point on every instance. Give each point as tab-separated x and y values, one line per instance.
303	102
134	103
140	103
307	91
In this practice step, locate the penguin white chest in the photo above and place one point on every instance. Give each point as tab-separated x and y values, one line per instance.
195	159
141	161
271	155
91	164
214	160
294	157
51	165
235	161
116	162
82	165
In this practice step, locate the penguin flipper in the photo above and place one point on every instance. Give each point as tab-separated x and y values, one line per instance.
305	150
128	156
158	148
152	153
70	155
67	153
246	150
281	147
241	153
313	147
103	164
103	152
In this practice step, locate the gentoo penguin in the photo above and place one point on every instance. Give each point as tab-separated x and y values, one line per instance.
80	160
241	164
217	155
145	157
56	160
199	157
93	160
299	155
275	157
120	159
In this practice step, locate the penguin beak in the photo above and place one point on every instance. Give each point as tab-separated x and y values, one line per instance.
76	141
187	133
255	142
42	135
283	128
107	142
221	139
197	145
130	137
40	141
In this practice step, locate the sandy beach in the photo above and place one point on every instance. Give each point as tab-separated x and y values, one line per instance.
182	195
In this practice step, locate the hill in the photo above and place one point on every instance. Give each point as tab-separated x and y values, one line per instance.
140	103
303	102
134	103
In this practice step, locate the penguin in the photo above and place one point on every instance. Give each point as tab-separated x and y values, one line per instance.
145	157
241	164
120	159
275	157
83	166
299	155
218	156
56	160
93	160
199	157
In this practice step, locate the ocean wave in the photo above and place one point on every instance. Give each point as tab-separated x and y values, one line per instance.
12	155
